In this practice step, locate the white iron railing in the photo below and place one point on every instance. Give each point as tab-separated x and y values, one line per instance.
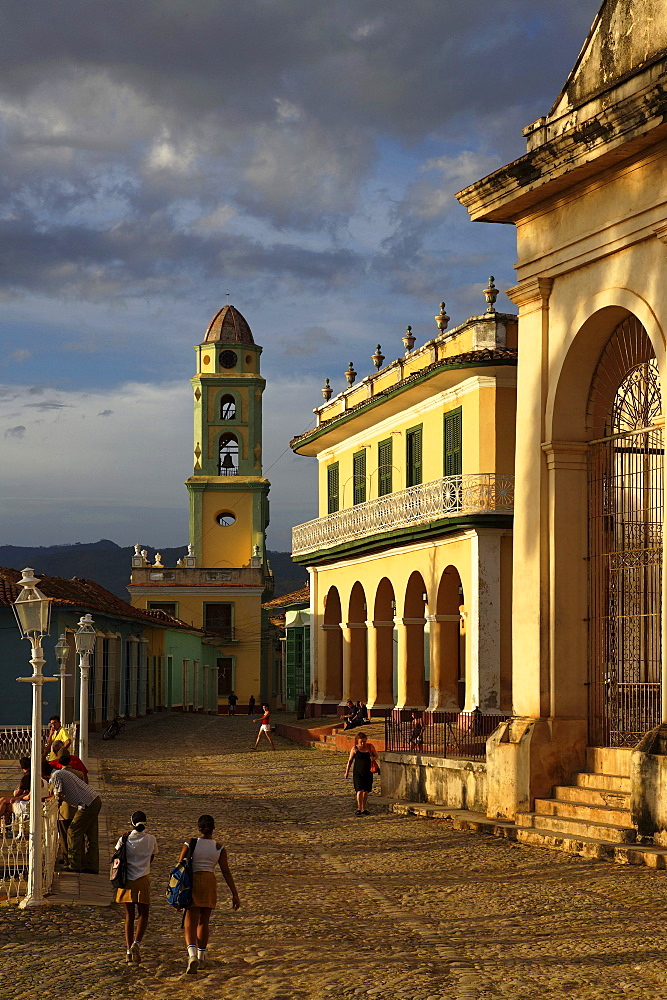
16	741
14	852
484	493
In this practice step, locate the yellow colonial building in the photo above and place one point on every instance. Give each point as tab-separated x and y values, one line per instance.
220	584
589	202
410	558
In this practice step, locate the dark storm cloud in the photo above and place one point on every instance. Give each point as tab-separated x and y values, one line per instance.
148	147
15	432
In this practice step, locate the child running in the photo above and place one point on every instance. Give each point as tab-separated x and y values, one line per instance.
141	848
206	855
265	727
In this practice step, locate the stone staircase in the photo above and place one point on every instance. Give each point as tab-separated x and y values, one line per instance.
596	806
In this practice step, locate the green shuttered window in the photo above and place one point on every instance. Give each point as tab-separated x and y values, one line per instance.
453	443
359	474
384	467
414	456
332	488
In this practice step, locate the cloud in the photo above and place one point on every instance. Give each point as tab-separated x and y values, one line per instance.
311	341
15	432
20	354
105	413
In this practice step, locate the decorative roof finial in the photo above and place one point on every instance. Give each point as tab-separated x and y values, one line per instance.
442	319
491	294
408	340
350	374
327	391
378	357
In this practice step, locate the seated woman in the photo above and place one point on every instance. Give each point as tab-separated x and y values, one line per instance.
19	793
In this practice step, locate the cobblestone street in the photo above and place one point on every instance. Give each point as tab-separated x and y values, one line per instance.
334	905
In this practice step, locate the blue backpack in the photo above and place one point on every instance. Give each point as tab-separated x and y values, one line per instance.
179	887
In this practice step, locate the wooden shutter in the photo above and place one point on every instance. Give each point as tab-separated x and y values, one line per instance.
453	443
384	467
359	476
414	456
332	488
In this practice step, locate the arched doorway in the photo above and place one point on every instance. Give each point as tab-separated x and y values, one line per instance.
448	656
626	510
414	662
354	653
331	681
386	663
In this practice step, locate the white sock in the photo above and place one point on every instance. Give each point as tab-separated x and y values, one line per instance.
192	951
201	953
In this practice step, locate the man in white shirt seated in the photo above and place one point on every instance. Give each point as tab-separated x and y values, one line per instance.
71	789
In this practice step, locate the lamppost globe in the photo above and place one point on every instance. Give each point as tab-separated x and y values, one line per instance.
32	609
85	636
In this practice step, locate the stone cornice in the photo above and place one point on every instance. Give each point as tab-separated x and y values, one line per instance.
533	293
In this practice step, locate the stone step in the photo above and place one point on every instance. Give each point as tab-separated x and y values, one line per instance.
581	828
612	782
584	812
609	760
592	796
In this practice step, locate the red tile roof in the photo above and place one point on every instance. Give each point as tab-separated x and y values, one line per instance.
296	597
87	595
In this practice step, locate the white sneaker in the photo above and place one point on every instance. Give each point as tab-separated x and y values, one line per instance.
193	965
201	955
135	952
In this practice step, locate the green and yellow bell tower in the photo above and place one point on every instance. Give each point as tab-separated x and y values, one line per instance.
220	584
229	507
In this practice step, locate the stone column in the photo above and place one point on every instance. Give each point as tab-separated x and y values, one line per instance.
380	653
354	661
530	598
410	662
444	646
483	664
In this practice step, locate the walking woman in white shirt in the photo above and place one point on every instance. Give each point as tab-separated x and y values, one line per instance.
141	849
206	855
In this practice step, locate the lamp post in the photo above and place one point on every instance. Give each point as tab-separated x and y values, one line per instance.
32	610
84	639
62	654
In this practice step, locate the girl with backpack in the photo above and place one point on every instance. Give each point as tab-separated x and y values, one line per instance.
206	855
140	848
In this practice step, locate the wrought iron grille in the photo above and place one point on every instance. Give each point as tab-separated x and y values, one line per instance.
440	734
16	741
626	510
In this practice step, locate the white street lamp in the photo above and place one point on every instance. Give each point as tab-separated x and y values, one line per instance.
84	639
62	654
32	610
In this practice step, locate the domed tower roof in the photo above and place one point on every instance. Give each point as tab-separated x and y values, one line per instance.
228	327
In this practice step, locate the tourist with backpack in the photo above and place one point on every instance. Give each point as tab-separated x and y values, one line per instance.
205	854
135	851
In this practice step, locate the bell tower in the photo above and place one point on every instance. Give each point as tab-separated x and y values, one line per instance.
229	508
220	584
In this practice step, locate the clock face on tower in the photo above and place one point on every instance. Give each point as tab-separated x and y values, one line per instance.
228	359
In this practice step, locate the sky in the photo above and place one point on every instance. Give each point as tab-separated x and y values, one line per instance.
302	155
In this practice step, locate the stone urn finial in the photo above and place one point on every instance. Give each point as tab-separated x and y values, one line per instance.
350	374
378	357
491	294
442	319
408	339
327	391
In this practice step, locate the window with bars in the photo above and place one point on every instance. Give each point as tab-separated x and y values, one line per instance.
359	476
413	441
332	488
453	462
220	618
384	467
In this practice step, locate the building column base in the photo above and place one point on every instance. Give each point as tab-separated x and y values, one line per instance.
526	757
316	709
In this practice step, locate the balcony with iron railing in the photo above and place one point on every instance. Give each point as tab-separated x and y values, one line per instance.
451	496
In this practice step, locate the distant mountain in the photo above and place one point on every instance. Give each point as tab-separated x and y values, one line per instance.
109	564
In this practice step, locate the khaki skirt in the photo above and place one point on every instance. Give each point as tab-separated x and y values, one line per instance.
137	890
204	891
